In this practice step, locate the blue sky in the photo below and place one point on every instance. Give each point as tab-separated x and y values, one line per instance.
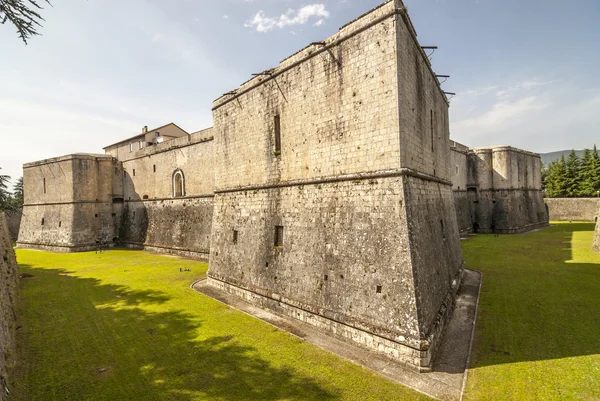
524	70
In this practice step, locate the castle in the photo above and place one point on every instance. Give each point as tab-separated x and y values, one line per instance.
328	190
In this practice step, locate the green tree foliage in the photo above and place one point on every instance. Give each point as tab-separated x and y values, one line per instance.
10	202
18	192
4	194
573	177
24	15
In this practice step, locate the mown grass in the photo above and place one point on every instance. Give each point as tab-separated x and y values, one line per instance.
538	328
125	325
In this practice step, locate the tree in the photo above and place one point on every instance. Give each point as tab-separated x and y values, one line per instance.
24	15
4	194
556	183
586	176
573	174
18	193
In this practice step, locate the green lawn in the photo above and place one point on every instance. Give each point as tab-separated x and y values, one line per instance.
538	327
125	325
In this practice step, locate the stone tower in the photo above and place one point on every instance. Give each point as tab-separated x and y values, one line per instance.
333	201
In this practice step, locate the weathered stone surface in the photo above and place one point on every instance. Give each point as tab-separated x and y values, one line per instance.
572	209
596	243
8	299
69	203
370	249
14	222
497	190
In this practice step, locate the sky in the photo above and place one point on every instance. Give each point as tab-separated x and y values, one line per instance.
524	71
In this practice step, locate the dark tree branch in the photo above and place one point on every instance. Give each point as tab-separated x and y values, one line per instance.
24	15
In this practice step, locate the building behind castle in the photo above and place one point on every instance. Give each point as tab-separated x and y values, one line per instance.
328	191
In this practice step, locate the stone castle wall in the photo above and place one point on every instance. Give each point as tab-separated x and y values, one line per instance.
497	190
153	217
572	209
596	243
361	202
8	300
14	222
68	204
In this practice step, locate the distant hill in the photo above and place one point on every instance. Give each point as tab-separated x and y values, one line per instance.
548	158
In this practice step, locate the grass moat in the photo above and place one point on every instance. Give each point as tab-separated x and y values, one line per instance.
125	325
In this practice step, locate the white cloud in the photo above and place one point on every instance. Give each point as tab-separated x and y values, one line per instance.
502	112
261	23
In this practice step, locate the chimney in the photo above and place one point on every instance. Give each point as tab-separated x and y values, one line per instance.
145	129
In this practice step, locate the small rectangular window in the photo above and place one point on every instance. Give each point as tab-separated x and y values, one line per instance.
157	134
278	235
44	185
442	226
140	144
59	224
431	124
96	215
134	172
131	147
43	221
277	122
114	215
235	236
154	168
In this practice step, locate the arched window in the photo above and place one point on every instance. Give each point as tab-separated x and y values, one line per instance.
178	184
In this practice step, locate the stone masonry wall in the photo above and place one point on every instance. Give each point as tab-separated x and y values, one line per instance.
341	189
68	203
596	243
8	299
14	222
572	209
178	226
152	217
337	109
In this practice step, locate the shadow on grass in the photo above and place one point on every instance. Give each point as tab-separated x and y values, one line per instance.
83	340
537	303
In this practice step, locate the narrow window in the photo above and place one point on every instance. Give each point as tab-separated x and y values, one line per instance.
140	144
44	185
277	134
154	168
442	226
43	221
134	172
131	147
134	214
178	184
431	126
278	235
96	215
457	169
378	289
124	173
59	224
235	236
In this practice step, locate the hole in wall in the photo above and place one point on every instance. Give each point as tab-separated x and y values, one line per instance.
326	277
379	289
59	224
